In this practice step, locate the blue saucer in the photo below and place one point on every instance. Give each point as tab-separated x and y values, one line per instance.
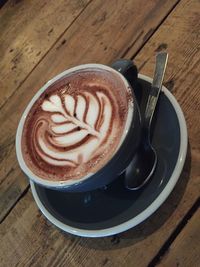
114	209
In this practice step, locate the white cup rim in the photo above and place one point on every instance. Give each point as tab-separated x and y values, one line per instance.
22	163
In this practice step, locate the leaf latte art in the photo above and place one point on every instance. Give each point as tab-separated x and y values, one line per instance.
75	125
75	128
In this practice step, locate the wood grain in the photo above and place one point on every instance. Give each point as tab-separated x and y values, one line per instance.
103	32
136	247
28	29
182	75
185	250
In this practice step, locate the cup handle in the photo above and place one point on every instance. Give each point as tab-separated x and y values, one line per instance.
128	69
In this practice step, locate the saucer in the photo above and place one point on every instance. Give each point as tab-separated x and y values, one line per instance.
114	209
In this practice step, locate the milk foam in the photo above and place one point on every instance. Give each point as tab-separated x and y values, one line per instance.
78	124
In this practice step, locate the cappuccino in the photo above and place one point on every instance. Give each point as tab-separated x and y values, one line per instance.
76	125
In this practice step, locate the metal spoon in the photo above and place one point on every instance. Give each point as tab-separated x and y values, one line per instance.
144	163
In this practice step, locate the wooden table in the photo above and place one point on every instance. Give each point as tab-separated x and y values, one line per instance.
39	39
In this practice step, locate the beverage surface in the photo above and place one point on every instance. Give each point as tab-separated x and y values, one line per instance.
76	125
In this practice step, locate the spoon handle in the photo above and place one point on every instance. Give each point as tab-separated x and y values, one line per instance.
161	62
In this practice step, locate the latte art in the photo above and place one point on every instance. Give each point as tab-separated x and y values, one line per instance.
76	125
74	130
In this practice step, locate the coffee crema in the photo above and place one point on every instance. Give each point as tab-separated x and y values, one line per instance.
76	125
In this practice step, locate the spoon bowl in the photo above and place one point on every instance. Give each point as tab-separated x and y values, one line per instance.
143	165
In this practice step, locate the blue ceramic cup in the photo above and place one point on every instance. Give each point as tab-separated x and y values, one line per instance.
127	73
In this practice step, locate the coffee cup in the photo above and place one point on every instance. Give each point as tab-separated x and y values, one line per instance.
81	129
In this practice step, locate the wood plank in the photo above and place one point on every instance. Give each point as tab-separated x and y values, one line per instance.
28	29
137	246
185	250
102	33
182	75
